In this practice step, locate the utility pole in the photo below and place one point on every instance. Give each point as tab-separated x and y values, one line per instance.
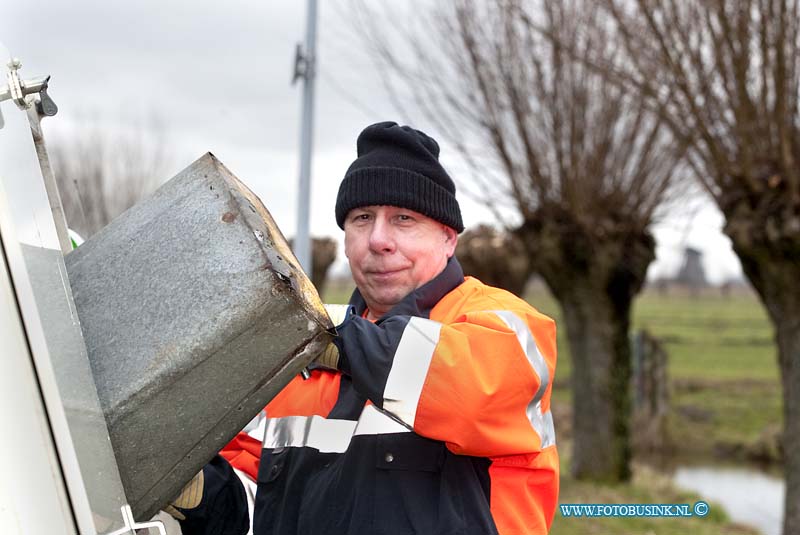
305	68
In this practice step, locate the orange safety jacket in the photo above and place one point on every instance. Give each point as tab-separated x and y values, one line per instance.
439	422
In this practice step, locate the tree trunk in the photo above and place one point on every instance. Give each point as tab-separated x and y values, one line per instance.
601	369
788	337
777	281
594	270
766	238
781	296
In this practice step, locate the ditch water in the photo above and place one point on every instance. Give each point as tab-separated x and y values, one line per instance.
748	496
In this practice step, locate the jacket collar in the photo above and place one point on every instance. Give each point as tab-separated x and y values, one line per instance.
423	299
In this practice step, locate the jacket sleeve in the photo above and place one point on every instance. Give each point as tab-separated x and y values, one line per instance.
301	397
223	507
243	453
481	384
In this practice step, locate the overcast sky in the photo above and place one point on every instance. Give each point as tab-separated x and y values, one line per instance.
217	75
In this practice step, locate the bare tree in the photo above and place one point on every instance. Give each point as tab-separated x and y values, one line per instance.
571	161
495	257
724	75
323	254
102	172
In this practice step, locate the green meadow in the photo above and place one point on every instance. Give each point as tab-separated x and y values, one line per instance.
725	405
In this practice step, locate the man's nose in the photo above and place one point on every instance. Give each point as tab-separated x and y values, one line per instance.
381	239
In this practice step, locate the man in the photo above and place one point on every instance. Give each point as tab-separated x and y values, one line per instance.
431	413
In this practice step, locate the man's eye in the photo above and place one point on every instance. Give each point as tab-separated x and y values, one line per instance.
361	217
404	217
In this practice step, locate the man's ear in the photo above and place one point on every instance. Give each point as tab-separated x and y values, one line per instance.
450	240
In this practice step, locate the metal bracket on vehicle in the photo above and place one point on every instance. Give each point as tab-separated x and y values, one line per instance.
131	524
20	91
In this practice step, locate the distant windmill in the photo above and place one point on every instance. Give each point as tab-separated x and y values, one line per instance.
692	273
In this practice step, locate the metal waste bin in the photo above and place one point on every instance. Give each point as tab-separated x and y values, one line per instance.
195	314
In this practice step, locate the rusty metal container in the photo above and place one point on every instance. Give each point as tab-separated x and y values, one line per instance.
195	314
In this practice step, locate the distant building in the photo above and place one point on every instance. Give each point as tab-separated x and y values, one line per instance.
692	273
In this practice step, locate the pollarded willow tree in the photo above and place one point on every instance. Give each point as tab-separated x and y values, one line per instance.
724	75
496	257
572	163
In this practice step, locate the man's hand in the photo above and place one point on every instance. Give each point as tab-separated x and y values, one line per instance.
189	498
339	314
330	357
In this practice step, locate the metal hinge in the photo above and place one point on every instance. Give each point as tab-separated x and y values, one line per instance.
131	524
23	92
303	64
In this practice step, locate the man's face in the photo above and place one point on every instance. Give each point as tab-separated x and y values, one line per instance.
393	251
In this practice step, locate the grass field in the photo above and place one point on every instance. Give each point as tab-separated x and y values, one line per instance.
725	402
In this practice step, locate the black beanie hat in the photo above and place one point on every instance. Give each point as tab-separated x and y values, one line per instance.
399	166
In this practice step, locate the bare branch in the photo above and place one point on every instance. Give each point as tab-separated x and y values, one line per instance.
101	172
